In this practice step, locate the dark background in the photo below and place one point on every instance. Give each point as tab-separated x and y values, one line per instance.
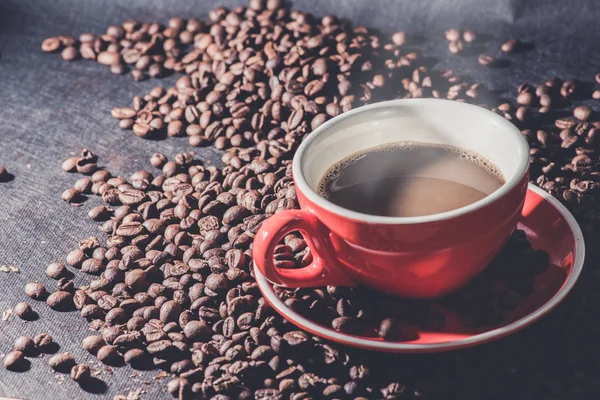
50	109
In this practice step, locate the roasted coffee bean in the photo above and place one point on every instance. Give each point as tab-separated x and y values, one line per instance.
69	53
83	185
469	36
43	342
509	46
60	300
582	113
24	311
486	60
75	258
386	327
456	47
26	345
62	362
108	355
15	361
108	58
452	35
51	44
179	388
71	196
81	373
56	270
158	160
344	324
36	291
70	164
93	343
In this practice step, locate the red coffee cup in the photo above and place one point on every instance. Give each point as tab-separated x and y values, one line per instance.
418	257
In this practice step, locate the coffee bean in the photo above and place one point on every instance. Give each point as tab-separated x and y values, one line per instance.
56	270
51	45
399	38
525	98
197	331
60	300
469	36
24	311
108	58
456	47
158	160
62	362
170	311
81	373
179	388
582	113
344	324
71	195
69	53
452	35
25	345
15	361
93	343
486	60
36	291
108	355
509	46
43	342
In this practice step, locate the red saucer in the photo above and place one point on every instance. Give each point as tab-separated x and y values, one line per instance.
548	225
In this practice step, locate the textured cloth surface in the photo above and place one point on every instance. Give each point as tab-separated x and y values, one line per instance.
50	109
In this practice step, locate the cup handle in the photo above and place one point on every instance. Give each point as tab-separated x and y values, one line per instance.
324	269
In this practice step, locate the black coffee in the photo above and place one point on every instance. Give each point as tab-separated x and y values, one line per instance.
409	179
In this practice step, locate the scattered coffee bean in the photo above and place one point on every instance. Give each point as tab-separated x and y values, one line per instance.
36	291
70	164
43	342
15	361
81	373
158	160
509	46
399	38
60	300
469	36
71	195
582	113
83	185
452	35
51	45
24	311
69	53
486	60
62	362
108	355
93	343
56	270
25	345
456	47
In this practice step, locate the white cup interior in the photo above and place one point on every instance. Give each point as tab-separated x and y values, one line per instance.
415	120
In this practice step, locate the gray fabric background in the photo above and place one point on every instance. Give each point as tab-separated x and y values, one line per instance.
49	109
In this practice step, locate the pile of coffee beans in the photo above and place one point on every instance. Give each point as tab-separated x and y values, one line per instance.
173	284
482	303
23	347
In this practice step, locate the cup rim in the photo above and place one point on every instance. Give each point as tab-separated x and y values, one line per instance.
303	186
